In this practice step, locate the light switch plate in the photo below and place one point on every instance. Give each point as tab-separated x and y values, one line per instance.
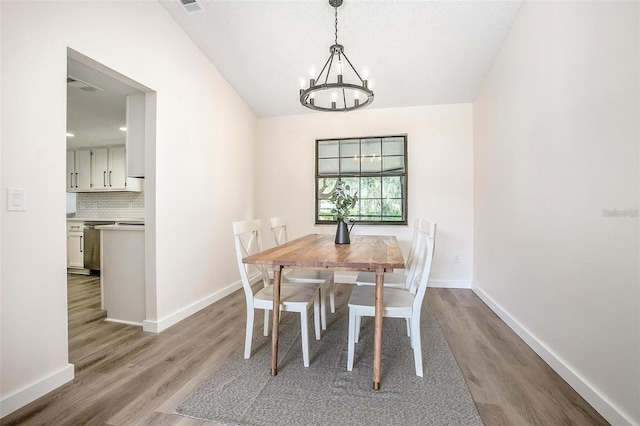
16	200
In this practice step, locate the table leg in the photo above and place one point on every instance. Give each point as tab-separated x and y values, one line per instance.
377	329
276	319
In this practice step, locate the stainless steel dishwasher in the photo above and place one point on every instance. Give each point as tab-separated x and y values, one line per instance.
92	245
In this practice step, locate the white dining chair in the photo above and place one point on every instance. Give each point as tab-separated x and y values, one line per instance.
324	279
393	279
294	297
397	302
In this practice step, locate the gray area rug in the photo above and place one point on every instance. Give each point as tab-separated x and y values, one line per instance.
243	392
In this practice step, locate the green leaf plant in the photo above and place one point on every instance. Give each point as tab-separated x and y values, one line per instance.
342	201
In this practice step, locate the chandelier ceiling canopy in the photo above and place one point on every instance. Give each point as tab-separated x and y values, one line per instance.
338	87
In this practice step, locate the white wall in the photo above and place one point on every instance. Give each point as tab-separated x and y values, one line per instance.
205	133
440	156
556	137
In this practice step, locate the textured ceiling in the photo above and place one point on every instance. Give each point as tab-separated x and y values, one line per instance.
417	52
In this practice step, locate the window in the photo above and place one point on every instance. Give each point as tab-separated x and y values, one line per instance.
374	167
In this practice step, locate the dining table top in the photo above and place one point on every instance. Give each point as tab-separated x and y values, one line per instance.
319	251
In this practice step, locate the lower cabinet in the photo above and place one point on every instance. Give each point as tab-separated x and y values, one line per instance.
75	245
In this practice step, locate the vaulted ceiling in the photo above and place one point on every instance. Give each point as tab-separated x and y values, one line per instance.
417	52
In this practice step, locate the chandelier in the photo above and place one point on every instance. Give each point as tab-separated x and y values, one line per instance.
341	94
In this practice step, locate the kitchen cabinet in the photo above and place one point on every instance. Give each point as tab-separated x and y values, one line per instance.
109	169
75	245
79	170
100	169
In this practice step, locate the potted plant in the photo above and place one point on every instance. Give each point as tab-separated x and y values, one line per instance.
343	201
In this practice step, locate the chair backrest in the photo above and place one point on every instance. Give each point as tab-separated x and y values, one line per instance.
414	242
279	228
424	259
248	241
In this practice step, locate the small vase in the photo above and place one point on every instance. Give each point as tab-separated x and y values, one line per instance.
342	233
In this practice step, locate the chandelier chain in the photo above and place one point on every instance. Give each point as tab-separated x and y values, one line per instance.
336	9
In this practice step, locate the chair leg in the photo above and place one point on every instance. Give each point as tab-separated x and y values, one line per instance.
408	320
266	322
323	305
352	338
332	296
304	334
357	329
316	314
248	333
417	345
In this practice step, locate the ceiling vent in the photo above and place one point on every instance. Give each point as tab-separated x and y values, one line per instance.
82	85
191	6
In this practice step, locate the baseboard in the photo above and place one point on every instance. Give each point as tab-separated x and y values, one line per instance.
123	321
590	394
176	317
32	392
450	284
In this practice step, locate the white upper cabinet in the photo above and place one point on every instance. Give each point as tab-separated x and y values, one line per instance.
99	169
117	169
108	168
79	170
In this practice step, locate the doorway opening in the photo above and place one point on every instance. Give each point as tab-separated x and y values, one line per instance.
110	118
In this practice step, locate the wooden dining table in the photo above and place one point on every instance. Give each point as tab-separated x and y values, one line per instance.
371	253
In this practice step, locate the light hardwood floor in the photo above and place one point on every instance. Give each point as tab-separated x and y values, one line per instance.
124	376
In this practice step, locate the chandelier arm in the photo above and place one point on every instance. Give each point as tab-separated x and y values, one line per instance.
344	98
330	61
352	67
323	68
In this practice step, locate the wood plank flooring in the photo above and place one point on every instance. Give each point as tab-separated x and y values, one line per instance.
128	377
509	382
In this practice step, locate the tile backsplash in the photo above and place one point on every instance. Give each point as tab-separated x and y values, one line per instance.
98	205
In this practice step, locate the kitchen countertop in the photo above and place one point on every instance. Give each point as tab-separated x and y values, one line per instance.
105	219
122	227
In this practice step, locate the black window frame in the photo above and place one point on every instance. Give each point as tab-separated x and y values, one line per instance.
359	174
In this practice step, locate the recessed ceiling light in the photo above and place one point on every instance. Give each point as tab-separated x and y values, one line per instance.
70	135
124	129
